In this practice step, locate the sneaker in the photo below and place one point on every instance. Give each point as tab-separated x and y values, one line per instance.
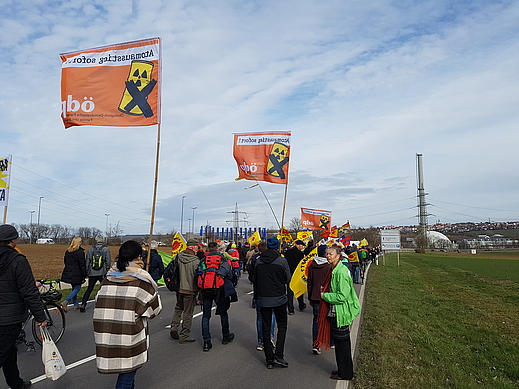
228	339
188	340
270	365
76	308
64	305
272	343
291	313
317	350
259	347
26	385
280	362
174	334
207	346
82	308
332	346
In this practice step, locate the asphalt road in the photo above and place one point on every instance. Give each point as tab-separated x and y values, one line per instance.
174	365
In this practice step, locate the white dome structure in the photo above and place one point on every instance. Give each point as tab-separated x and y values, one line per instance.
438	240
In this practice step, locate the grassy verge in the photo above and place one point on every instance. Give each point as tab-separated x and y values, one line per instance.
441	321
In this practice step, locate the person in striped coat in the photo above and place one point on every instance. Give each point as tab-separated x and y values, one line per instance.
127	299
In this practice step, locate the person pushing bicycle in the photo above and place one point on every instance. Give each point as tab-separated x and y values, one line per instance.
19	295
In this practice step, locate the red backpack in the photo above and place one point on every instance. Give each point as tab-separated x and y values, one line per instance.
208	279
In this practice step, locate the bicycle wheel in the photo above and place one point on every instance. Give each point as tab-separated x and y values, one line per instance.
55	323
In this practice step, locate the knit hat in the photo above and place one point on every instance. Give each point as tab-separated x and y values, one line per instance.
192	242
100	239
299	242
273	243
7	233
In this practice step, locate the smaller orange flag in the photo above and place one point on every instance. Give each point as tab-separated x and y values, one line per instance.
345	226
334	233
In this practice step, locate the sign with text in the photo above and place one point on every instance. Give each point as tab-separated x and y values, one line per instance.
390	240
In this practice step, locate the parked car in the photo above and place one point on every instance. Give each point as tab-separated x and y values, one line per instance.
44	241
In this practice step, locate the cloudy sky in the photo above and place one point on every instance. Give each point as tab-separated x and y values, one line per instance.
363	85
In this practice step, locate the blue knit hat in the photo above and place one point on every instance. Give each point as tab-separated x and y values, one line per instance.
321	251
273	243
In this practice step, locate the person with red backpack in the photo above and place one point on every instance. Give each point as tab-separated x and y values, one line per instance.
213	280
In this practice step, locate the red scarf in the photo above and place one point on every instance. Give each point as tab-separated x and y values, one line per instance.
323	335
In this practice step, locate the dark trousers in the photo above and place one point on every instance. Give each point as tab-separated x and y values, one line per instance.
341	337
300	301
8	354
92	281
282	321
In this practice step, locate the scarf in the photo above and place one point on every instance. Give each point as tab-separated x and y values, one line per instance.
133	271
323	335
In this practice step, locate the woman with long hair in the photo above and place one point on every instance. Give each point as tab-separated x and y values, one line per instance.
338	308
127	299
74	272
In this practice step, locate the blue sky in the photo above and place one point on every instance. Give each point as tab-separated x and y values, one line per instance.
363	86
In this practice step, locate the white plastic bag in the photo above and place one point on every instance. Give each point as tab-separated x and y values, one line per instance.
52	360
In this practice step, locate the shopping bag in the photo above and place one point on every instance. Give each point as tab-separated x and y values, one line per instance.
52	360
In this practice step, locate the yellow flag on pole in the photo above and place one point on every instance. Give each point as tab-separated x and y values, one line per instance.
254	238
178	244
298	283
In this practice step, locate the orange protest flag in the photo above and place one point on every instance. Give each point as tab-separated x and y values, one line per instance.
263	156
316	219
115	85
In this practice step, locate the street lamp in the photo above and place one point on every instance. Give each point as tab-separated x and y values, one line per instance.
182	215
39	208
188	226
30	233
193	229
106	228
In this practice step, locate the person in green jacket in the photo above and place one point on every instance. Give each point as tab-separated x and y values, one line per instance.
344	307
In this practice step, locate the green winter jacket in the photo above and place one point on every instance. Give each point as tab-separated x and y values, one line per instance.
343	296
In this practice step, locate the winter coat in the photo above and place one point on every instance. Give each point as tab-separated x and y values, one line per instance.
188	263
271	276
75	267
156	266
18	291
122	340
317	272
293	257
107	260
343	296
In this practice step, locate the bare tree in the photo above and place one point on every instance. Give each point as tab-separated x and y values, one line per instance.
294	225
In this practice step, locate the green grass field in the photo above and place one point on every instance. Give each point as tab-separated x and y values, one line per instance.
441	320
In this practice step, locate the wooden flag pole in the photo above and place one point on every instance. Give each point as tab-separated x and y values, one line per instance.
5	215
154	197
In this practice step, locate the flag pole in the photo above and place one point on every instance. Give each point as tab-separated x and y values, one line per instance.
154	197
5	215
284	205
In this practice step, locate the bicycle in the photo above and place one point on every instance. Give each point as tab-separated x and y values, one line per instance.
56	322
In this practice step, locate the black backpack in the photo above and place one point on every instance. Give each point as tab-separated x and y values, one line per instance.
97	258
172	275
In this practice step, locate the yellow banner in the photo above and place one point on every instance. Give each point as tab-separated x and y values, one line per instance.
298	283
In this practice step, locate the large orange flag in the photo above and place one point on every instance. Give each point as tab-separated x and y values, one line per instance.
116	85
263	156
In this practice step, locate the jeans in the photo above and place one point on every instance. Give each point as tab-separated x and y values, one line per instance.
183	311
315	325
9	353
207	304
126	380
355	271
92	281
282	322
259	322
73	295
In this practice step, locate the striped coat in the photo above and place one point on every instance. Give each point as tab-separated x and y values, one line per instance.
120	324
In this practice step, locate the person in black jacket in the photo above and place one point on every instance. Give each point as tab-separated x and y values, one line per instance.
271	277
294	255
19	294
74	272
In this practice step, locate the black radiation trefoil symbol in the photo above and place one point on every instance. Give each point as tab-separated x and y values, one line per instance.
140	97
323	222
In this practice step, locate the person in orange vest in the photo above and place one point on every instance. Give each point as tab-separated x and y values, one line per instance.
235	260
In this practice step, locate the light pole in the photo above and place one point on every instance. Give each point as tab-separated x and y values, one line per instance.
193	229
189	227
39	208
30	233
182	215
106	228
